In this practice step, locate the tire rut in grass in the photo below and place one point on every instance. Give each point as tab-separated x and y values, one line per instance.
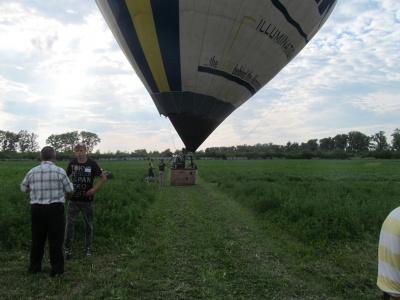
196	243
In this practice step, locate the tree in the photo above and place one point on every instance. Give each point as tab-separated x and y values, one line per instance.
23	141
9	141
2	139
396	140
341	141
358	141
55	141
166	153
33	145
242	148
66	142
292	147
140	152
90	139
27	141
63	142
70	140
380	141
311	145
327	144
154	153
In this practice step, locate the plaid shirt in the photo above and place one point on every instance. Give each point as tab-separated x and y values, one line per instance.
47	184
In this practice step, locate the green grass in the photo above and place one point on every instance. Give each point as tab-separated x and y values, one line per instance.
273	229
320	200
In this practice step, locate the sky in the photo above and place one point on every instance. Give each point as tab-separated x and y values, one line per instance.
61	70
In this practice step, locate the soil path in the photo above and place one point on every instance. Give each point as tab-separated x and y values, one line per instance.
196	243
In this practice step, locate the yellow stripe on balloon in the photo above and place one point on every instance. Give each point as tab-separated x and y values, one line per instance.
142	17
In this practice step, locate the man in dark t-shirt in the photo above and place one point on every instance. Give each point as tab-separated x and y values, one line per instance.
83	171
161	169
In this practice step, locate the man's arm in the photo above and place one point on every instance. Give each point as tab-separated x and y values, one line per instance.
68	195
24	186
68	186
103	179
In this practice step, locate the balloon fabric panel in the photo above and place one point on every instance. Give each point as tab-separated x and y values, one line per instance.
201	59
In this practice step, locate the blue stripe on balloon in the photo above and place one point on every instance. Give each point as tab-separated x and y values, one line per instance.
325	6
166	19
288	18
229	77
125	24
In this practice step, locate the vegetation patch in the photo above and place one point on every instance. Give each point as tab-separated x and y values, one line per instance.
271	229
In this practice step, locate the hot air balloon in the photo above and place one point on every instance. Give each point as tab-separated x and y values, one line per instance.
202	59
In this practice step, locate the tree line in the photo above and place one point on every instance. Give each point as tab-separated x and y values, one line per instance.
26	143
341	146
354	144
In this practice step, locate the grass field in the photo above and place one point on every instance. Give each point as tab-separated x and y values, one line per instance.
262	229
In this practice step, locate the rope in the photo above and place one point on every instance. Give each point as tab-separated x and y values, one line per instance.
170	131
283	93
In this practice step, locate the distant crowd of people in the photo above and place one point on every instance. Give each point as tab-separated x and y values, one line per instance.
161	172
177	162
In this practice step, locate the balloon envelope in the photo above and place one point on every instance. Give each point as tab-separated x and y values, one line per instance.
202	59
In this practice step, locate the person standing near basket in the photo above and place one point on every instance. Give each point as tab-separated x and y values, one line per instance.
161	174
48	186
150	176
83	171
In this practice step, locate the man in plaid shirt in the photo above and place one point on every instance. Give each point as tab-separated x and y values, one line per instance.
48	186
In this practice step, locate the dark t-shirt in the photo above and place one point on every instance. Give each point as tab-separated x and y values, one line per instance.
151	173
82	177
161	167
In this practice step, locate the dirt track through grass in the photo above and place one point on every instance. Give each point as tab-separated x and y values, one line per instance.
196	243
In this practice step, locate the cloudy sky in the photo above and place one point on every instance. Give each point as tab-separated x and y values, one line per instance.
61	71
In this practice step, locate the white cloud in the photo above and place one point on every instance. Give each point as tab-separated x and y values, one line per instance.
61	70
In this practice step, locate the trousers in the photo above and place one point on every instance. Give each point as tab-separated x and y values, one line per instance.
47	221
162	178
73	209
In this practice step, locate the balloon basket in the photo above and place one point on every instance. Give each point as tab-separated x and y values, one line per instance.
183	176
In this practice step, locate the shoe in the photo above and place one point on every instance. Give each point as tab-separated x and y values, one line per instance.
53	274
67	255
34	271
87	252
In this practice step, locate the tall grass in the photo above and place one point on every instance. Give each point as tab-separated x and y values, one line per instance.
317	200
267	229
120	204
14	211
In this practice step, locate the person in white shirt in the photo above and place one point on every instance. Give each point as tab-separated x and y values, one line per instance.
48	186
